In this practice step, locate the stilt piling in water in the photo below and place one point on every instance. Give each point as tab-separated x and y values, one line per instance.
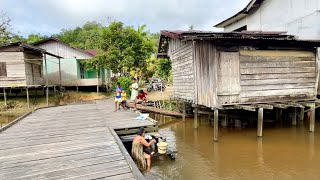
260	122
216	124
195	121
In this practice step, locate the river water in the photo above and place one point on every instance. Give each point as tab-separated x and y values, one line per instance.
286	153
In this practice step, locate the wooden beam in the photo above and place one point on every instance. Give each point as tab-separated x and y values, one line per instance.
216	124
264	106
280	106
247	108
308	104
28	101
294	117
312	117
260	122
296	105
195	121
301	116
5	97
60	76
183	111
47	86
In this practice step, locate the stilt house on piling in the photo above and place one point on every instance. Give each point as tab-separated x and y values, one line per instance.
70	69
241	70
21	68
21	65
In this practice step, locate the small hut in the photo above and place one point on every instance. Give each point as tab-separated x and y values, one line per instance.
21	66
241	70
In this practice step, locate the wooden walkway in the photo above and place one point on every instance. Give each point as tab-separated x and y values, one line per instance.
68	142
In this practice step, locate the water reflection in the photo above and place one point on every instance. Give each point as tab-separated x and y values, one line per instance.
290	152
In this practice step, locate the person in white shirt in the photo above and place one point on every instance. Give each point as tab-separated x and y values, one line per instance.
134	90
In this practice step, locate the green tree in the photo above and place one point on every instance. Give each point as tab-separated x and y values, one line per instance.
164	68
32	38
122	49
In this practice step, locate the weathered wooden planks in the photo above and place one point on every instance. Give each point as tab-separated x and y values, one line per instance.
183	76
72	142
289	74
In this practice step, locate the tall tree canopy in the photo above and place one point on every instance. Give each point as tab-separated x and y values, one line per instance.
123	48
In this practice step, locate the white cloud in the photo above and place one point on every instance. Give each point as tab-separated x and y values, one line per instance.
51	15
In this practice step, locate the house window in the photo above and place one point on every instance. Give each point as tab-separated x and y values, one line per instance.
81	71
3	69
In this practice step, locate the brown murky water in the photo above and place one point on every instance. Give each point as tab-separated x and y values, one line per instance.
287	153
4	120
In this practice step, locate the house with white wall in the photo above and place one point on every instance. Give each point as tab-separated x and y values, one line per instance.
70	66
295	17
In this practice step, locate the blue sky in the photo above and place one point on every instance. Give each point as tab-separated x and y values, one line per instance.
48	17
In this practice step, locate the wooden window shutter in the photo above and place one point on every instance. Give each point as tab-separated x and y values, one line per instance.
3	69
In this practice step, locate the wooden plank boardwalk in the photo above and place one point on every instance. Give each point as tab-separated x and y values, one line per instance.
68	142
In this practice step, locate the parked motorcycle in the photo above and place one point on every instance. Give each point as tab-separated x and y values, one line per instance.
156	86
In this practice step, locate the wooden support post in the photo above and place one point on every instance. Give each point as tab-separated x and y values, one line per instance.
301	118
281	117
294	116
28	101
5	97
183	111
260	122
216	124
60	76
195	121
47	95
47	86
55	91
77	88
312	118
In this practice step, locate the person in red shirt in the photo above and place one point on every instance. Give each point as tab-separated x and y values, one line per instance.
141	96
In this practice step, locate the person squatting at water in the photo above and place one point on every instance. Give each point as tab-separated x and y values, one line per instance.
141	158
142	96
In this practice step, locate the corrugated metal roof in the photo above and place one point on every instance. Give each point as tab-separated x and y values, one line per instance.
30	47
58	40
244	37
268	35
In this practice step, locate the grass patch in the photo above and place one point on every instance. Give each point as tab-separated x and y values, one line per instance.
17	106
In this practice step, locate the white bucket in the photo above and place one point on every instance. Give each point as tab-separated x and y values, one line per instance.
162	147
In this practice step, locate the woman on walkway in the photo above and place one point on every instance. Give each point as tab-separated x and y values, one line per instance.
142	159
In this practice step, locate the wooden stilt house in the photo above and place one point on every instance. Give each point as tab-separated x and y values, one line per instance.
220	69
242	70
21	65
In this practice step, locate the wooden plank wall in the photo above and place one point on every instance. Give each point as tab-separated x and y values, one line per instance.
228	78
205	65
270	75
181	54
15	69
34	69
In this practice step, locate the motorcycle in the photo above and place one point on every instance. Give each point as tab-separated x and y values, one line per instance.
156	86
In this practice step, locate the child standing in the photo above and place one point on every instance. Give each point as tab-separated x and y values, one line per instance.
118	98
124	99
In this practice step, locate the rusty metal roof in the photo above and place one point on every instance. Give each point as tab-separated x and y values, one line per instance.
29	47
206	35
252	6
238	38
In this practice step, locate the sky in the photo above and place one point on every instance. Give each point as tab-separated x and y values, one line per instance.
49	17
